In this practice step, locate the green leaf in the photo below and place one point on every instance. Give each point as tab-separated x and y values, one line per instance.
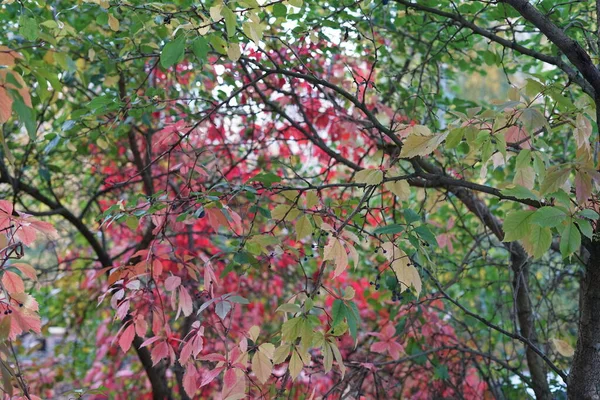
353	318
26	116
389	229
291	329
200	48
410	216
548	216
520	192
267	178
28	27
586	228
173	52
338	312
426	234
570	240
230	20
454	137
517	225
538	241
589	214
279	10
289	308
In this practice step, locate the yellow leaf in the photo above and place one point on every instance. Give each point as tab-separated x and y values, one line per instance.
295	365
261	366
254	332
349	293
334	250
419	144
215	12
267	349
399	188
303	227
407	274
351	236
113	22
234	52
353	254
563	348
327	357
369	176
338	358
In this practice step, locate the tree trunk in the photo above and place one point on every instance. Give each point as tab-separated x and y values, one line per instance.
584	378
156	374
537	366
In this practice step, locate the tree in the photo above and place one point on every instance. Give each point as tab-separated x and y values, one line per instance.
302	199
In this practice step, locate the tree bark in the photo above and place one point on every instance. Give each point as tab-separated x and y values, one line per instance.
584	379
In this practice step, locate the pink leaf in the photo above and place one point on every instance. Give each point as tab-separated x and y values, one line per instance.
190	380
12	282
211	375
185	302
159	352
127	338
230	378
26	269
172	282
379	347
148	342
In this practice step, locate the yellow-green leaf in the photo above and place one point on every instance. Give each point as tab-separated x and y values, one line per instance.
261	366
295	365
369	176
418	144
399	188
281	353
563	348
303	227
311	199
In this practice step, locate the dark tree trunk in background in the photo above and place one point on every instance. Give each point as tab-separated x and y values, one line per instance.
584	379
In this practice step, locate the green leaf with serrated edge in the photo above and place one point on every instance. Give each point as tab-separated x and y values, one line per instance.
570	240
548	216
538	241
338	312
516	225
389	229
520	192
555	178
289	307
291	329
